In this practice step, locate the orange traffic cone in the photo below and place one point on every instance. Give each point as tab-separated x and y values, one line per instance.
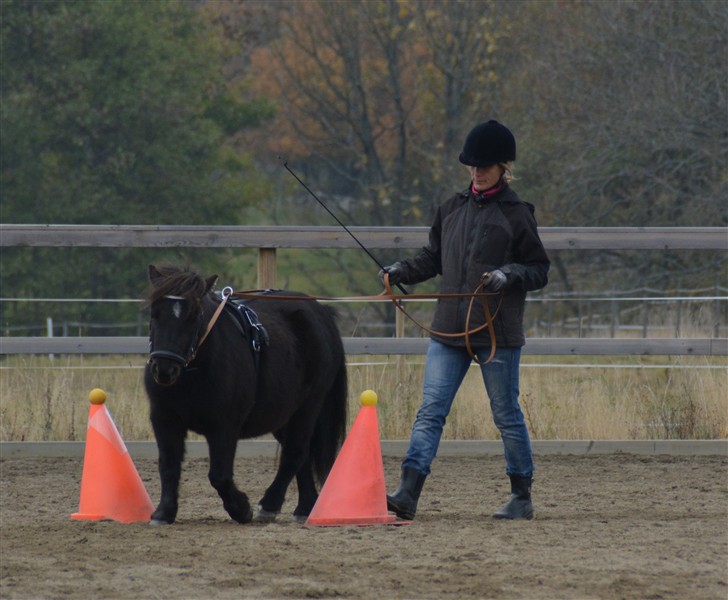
354	492
110	485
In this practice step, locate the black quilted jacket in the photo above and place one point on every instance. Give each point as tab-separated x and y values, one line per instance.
468	237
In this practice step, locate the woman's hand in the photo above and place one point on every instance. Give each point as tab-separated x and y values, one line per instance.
395	273
492	281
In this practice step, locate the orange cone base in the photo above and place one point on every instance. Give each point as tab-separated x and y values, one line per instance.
356	521
85	517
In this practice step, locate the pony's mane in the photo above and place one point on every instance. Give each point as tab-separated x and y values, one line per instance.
176	281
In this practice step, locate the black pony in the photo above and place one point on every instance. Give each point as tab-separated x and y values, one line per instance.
278	368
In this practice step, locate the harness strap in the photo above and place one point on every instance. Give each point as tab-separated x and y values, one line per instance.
226	293
247	322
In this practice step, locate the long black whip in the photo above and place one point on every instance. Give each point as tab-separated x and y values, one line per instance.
326	208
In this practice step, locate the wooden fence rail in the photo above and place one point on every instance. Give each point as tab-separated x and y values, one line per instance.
166	236
268	239
404	346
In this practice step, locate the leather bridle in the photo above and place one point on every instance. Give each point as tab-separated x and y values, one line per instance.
198	339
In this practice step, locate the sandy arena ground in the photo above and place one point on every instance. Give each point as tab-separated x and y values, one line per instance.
614	526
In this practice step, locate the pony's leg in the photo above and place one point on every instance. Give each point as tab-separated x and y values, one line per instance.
293	456
270	505
307	493
222	457
171	445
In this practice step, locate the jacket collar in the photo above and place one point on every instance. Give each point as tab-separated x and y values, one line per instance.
487	195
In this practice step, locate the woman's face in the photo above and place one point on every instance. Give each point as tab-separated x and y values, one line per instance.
485	177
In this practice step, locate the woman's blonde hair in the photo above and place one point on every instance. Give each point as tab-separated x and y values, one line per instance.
507	171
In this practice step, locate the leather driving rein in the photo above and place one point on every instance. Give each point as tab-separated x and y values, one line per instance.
397	299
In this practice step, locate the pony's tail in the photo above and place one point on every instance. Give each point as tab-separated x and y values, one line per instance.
330	429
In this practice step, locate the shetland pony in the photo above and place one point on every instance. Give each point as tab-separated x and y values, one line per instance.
272	365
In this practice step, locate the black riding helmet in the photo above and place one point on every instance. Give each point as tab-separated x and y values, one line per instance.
488	144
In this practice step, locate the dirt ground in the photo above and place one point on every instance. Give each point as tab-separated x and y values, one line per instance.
609	526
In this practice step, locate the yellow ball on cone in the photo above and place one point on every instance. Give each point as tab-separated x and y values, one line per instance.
97	396
368	398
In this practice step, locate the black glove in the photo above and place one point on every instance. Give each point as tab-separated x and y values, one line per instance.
493	281
395	273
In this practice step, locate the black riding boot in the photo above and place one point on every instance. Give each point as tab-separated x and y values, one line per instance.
519	506
404	500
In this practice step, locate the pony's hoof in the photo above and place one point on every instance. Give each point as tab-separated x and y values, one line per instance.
246	518
300	519
163	517
264	516
159	522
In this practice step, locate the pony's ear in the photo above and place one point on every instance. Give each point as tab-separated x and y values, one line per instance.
154	273
210	282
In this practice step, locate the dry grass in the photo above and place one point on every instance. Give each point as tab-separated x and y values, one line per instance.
44	399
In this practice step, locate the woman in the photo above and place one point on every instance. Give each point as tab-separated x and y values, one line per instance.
484	233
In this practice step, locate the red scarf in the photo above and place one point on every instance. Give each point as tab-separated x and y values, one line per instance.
485	195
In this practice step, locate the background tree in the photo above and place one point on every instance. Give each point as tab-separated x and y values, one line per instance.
113	112
624	109
372	96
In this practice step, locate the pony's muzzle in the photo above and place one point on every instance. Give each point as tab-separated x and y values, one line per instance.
165	371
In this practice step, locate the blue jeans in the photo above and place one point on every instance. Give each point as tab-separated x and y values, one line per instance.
445	369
